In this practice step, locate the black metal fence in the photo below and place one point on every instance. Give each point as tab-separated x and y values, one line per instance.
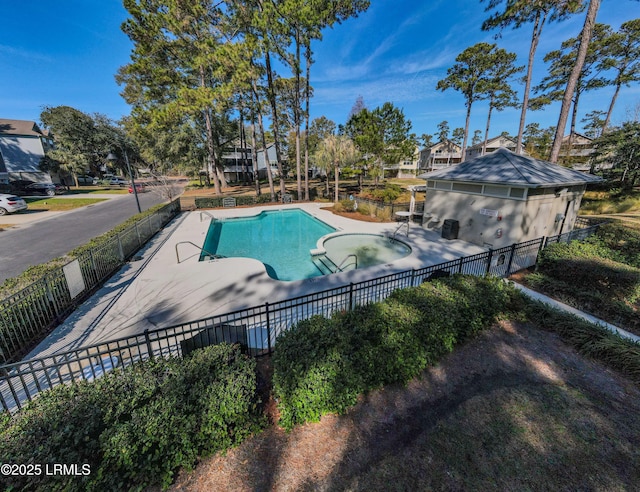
27	316
256	328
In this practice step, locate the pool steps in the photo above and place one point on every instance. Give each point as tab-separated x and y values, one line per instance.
327	266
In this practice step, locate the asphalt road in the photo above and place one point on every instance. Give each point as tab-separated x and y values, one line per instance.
43	240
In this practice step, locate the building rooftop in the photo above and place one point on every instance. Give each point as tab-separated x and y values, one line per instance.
19	127
508	168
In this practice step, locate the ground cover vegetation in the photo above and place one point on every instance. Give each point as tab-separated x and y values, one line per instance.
479	425
60	204
600	275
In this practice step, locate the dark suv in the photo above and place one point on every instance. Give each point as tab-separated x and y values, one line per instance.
24	187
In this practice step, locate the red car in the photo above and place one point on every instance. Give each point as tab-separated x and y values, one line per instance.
139	188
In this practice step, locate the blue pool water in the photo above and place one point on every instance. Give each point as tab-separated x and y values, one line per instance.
281	239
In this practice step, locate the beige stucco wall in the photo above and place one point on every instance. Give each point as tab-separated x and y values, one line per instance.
517	220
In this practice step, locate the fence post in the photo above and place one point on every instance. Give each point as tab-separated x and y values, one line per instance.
513	252
489	258
96	277
266	309
148	341
413	277
460	263
120	250
50	297
350	296
135	225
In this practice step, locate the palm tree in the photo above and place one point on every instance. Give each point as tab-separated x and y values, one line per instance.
336	151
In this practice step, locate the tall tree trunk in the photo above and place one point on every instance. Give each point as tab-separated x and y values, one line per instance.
267	162
613	102
327	182
211	159
585	37
538	24
572	128
307	96
296	113
254	157
336	171
486	130
466	132
274	117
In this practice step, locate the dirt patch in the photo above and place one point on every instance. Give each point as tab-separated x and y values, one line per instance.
514	409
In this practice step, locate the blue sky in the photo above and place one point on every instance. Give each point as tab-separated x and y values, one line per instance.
67	53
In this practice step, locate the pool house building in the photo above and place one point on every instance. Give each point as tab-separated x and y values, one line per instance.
503	198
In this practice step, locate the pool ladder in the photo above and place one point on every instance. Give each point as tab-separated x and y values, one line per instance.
202	250
332	267
206	213
403	224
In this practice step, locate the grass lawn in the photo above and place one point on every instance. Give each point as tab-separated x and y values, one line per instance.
603	202
99	190
514	409
56	204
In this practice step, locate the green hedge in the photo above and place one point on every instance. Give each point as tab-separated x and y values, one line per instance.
136	427
322	365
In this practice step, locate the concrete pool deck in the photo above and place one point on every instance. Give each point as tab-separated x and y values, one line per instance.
156	291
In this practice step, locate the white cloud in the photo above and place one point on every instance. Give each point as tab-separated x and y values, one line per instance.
25	54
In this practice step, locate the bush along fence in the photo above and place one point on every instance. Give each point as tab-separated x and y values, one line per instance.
255	329
27	316
389	208
198	202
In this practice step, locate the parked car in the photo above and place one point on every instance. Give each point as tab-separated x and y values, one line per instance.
24	187
87	180
11	203
140	188
117	182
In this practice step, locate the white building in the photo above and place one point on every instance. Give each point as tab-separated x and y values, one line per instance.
22	147
503	198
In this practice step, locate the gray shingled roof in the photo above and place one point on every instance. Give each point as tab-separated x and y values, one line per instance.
505	167
19	127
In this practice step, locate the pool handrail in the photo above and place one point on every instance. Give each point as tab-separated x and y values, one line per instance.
215	257
206	213
340	266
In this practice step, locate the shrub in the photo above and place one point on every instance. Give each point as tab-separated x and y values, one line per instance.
347	205
136	427
623	242
322	365
388	194
365	209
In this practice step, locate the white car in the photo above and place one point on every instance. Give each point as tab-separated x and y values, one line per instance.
117	182
11	203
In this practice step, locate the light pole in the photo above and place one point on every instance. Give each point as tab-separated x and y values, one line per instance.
112	158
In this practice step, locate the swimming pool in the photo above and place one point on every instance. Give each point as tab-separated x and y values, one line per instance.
281	239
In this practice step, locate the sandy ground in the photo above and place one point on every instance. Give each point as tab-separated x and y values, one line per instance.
338	453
